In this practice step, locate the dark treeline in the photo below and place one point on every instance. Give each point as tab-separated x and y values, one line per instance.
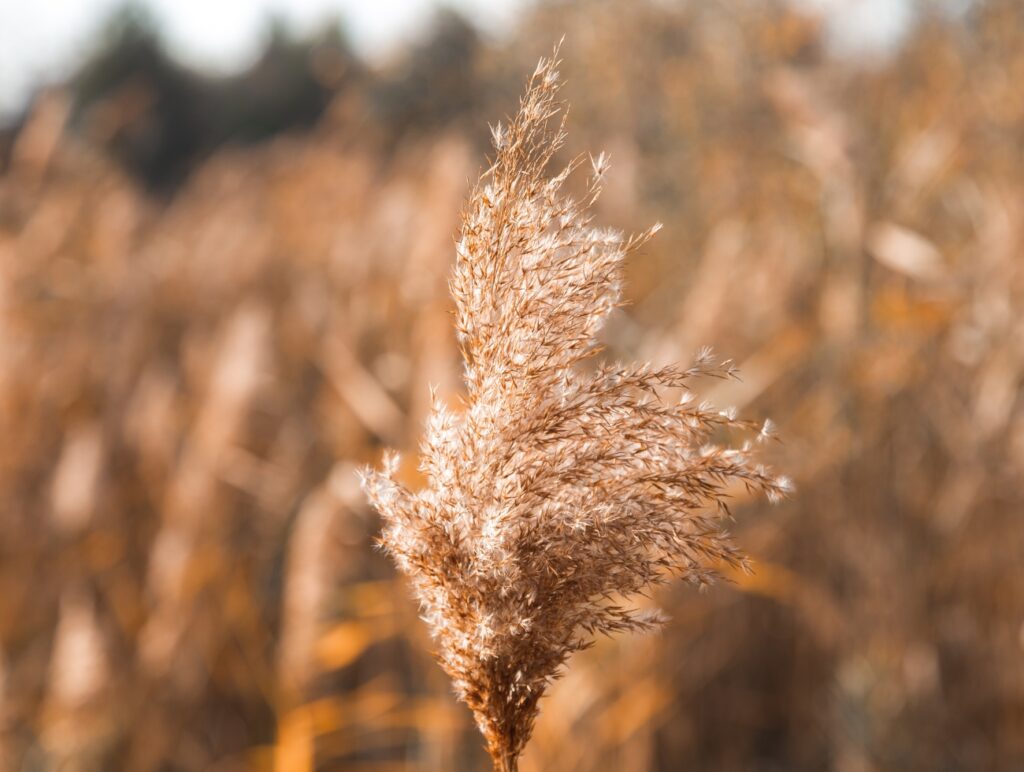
159	117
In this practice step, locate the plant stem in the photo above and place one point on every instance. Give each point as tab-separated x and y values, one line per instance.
506	763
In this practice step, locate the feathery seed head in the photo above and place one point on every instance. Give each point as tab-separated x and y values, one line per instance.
556	491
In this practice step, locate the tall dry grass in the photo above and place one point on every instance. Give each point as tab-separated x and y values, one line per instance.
557	496
187	578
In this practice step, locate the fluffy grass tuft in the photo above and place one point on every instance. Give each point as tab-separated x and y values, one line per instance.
557	495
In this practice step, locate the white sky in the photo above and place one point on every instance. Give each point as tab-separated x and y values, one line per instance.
43	39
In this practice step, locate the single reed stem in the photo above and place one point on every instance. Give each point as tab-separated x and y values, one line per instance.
556	494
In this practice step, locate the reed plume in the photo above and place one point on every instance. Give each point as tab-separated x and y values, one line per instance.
557	494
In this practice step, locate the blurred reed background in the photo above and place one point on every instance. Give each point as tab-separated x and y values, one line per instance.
221	295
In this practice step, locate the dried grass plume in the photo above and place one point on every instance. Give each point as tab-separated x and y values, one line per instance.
557	494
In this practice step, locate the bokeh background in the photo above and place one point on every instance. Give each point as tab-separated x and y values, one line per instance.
223	288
